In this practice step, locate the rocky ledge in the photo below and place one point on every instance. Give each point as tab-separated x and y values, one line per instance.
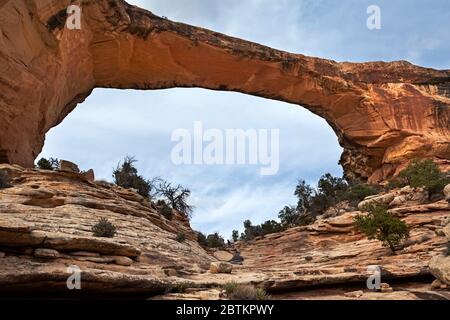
46	218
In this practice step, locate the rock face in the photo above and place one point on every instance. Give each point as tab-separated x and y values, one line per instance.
331	251
384	114
46	222
440	268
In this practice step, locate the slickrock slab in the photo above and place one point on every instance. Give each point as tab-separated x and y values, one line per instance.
41	241
145	257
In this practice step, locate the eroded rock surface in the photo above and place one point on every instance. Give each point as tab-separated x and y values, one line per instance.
331	251
384	114
46	221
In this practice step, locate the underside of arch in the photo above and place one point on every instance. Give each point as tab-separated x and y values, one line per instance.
384	114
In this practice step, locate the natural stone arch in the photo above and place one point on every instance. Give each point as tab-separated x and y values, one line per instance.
384	114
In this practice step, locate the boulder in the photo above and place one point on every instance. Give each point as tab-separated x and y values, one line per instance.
223	255
398	201
440	268
67	166
220	267
385	287
354	294
46	253
385	198
123	261
89	175
447	192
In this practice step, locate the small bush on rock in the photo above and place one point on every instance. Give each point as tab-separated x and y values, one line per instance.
381	225
235	236
201	239
181	237
246	292
165	209
48	164
215	241
126	176
230	287
358	192
424	173
104	229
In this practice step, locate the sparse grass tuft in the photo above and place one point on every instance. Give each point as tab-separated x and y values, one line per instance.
245	292
181	237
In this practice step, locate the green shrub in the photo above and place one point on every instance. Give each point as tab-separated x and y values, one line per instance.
126	176
215	241
261	294
235	235
270	226
4	181
181	237
381	225
48	164
424	173
395	183
289	216
230	287
165	209
104	229
201	239
330	191
251	231
304	192
357	192
245	292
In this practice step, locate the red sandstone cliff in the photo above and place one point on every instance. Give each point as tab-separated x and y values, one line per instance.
384	114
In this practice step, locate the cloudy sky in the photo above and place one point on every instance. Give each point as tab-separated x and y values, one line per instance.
112	124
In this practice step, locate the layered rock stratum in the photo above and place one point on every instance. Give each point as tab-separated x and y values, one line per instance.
384	114
46	220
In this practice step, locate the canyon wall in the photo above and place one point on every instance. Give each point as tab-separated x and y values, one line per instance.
384	114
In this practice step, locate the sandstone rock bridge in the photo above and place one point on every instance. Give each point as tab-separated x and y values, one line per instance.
384	114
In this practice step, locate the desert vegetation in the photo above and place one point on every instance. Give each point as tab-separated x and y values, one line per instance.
331	191
168	196
311	202
236	291
379	224
104	229
181	237
48	164
422	173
